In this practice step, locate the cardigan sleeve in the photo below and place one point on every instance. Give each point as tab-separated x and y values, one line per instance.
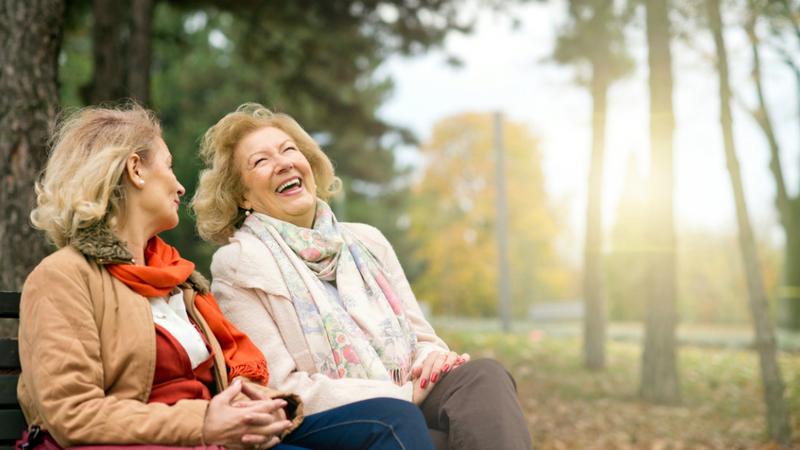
250	310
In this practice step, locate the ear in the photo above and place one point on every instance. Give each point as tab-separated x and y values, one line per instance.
245	203
134	168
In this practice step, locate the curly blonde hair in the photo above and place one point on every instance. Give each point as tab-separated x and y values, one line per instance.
82	180
220	191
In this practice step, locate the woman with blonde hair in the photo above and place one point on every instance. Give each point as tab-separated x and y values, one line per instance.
122	343
328	302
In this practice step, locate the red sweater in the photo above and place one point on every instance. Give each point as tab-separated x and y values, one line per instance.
174	378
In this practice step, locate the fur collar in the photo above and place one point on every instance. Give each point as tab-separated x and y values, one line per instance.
101	244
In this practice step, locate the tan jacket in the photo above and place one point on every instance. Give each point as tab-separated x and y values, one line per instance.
251	292
88	351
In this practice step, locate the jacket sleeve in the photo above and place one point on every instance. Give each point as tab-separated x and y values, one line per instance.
60	353
427	339
249	310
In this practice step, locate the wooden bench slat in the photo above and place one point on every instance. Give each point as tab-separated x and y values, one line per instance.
8	391
9	305
12	422
9	354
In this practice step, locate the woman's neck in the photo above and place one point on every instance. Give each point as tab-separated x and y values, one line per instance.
136	238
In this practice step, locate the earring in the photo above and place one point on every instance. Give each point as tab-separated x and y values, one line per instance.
247	212
141	182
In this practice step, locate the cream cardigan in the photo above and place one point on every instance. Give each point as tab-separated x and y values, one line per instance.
251	292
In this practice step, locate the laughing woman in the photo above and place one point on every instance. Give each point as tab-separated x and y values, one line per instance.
326	301
122	343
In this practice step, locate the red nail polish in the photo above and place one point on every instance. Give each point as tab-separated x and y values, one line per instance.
435	377
423	383
446	368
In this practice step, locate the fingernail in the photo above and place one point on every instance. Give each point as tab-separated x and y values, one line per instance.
423	383
446	368
435	377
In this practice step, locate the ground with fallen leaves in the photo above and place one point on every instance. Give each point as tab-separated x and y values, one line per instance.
569	407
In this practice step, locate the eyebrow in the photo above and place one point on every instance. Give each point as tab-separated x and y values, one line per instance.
264	150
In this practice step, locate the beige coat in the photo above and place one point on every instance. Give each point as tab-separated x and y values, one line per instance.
88	351
251	292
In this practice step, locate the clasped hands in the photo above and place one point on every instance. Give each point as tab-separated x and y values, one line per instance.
433	367
244	416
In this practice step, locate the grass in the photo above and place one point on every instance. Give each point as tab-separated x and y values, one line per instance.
569	407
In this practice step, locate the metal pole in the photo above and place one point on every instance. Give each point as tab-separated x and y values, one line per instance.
503	280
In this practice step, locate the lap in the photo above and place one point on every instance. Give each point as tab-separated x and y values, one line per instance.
355	425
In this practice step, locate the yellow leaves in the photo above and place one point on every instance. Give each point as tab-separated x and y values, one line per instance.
453	219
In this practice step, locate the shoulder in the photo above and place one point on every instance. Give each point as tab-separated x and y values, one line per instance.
66	274
66	260
244	261
242	250
371	237
367	233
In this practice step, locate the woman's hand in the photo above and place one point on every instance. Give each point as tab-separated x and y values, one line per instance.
252	423
436	364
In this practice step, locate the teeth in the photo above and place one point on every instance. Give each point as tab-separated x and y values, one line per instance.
289	184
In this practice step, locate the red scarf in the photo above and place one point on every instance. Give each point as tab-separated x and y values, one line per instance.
166	269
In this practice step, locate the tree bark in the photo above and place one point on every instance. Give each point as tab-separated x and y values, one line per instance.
109	81
777	414
30	39
594	332
122	51
659	381
141	52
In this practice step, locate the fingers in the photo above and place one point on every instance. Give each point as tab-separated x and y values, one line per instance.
426	368
435	365
263	434
251	390
449	362
269	406
272	442
230	392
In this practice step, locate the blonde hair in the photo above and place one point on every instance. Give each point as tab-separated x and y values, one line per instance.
220	191
82	181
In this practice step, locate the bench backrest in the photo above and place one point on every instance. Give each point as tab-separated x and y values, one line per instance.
12	422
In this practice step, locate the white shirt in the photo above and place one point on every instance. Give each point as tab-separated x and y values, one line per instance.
171	315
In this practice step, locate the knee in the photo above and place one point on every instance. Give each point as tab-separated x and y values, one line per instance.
487	370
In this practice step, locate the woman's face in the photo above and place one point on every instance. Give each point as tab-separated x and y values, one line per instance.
277	177
161	191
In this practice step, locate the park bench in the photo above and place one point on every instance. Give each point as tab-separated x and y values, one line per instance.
12	422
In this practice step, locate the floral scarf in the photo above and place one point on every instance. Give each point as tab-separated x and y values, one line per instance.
360	333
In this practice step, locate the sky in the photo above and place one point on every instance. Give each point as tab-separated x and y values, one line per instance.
508	69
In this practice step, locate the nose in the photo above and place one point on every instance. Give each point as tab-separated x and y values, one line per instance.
181	189
283	163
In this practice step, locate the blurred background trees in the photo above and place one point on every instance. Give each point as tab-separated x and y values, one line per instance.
451	210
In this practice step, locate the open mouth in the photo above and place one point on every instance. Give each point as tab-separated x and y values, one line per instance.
294	183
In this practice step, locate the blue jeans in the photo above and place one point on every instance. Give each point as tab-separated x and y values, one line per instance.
375	424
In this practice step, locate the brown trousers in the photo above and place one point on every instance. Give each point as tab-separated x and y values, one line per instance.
475	407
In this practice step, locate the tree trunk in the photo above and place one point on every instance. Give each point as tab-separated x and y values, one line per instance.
109	50
140	56
777	414
594	332
30	39
789	292
659	382
122	51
